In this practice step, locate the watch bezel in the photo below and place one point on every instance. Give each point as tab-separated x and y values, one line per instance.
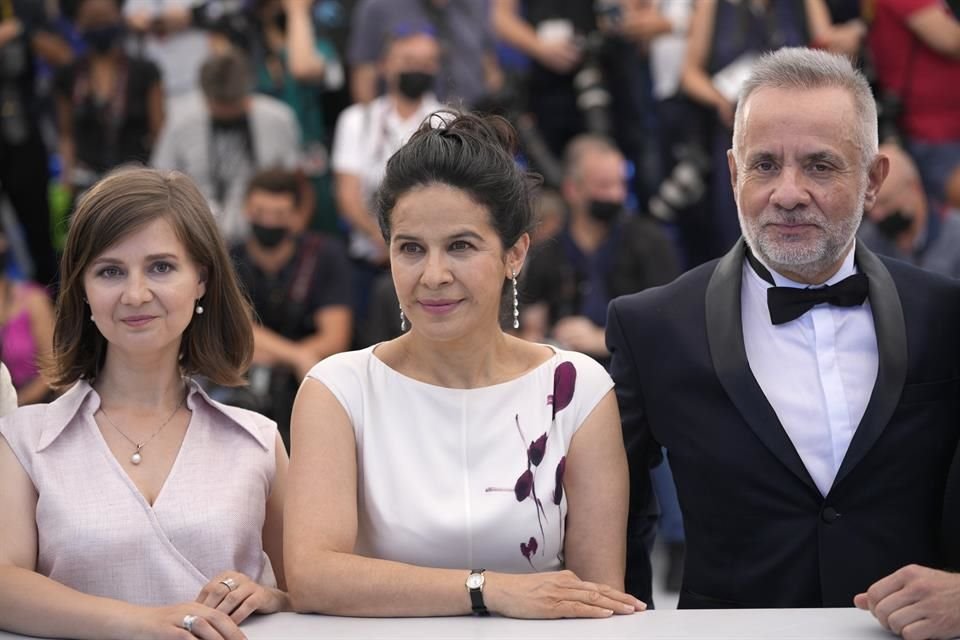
475	581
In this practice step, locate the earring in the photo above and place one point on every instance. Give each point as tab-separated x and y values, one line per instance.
403	320
91	318
516	302
199	309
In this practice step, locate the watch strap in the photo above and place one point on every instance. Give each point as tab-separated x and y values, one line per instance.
476	598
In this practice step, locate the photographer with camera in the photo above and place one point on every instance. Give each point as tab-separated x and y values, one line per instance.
468	63
295	64
726	38
915	47
903	225
603	252
299	284
109	103
589	66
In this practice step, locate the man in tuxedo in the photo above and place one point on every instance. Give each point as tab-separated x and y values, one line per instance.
805	389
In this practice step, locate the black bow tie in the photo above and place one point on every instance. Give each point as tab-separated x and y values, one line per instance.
789	303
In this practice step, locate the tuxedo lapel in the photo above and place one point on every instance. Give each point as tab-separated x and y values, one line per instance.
725	337
892	353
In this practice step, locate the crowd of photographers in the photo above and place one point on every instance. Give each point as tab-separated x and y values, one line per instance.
286	111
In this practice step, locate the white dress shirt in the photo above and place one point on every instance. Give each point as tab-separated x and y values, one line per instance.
365	137
817	371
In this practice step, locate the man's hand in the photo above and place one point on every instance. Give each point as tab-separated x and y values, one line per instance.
560	56
580	334
917	603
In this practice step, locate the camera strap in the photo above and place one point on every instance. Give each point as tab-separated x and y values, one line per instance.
303	276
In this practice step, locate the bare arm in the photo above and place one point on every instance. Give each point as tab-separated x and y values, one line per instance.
938	29
273	525
363	82
694	79
41	315
320	531
596	482
334	328
352	207
840	38
509	26
306	63
52	49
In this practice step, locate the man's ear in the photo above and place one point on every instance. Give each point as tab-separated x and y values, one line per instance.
732	165
876	174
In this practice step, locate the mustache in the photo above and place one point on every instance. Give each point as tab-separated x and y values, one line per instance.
792	216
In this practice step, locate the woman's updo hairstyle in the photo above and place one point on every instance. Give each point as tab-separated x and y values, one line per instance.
472	153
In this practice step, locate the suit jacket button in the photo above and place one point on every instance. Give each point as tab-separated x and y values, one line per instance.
830	515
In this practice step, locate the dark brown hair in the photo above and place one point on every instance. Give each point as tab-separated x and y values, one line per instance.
473	153
225	78
218	344
278	182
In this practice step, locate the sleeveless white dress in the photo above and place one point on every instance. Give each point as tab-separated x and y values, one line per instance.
463	478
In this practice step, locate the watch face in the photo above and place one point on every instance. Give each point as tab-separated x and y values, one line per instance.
475	581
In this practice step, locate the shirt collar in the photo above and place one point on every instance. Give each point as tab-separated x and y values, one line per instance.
847	269
83	398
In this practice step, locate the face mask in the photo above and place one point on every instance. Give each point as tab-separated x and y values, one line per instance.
895	224
230	123
103	39
604	210
268	237
413	84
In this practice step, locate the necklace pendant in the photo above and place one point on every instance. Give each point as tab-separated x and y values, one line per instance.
136	457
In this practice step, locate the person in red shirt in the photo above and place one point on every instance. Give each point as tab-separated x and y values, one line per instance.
915	46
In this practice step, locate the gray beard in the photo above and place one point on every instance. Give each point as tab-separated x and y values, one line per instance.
807	260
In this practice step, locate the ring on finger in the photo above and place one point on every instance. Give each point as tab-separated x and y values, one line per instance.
229	583
188	621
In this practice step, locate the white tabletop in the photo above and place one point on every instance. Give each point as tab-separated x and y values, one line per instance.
743	624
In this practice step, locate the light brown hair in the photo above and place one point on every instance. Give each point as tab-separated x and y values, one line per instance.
218	344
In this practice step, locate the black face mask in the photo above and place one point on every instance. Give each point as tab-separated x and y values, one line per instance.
895	224
604	210
268	237
103	39
238	123
413	84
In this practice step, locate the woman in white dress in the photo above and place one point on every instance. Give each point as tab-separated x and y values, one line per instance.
457	468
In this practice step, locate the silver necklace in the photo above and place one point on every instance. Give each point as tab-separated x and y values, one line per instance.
136	458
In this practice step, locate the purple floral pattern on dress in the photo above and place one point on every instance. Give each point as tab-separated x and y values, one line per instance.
564	384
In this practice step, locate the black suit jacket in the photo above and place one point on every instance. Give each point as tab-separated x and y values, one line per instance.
759	533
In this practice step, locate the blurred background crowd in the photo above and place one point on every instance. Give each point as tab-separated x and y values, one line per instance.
285	113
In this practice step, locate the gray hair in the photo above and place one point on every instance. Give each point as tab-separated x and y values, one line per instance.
800	68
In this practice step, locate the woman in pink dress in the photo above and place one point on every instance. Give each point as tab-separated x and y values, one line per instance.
134	505
26	331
